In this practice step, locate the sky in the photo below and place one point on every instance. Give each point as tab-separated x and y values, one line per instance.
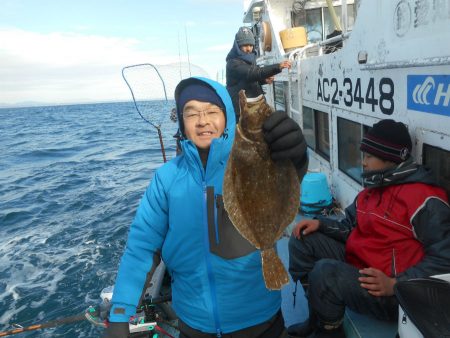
73	51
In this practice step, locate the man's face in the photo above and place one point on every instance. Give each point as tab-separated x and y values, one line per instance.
247	49
203	122
371	163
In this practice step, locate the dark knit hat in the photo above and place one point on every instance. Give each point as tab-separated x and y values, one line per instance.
193	89
244	36
388	140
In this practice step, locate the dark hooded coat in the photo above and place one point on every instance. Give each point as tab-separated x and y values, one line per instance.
243	73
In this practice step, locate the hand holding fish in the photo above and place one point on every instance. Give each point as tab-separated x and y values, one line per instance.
285	140
305	227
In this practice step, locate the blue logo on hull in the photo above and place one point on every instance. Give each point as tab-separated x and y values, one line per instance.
429	93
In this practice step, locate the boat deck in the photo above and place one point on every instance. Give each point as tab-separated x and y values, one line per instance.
355	324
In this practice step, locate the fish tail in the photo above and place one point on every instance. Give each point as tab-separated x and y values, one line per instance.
275	275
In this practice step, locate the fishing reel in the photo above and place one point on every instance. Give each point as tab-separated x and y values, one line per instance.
146	322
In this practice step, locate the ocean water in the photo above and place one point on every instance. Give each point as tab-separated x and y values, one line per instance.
71	178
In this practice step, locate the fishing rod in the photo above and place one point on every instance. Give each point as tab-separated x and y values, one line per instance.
52	323
146	321
187	49
94	315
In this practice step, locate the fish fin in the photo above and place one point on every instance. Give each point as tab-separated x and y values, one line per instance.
275	275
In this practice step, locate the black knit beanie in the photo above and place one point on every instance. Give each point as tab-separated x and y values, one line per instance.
388	140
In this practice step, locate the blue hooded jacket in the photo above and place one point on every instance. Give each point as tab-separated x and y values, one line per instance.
217	282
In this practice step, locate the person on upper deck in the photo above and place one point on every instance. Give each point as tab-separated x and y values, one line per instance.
397	228
218	288
242	71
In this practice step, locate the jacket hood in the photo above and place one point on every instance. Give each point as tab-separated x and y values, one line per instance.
221	92
406	172
220	147
237	53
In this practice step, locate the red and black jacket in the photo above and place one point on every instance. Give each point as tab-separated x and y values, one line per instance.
399	227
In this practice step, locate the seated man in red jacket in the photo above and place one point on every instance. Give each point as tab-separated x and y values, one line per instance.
398	228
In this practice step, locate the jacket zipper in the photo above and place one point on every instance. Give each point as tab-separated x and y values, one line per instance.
209	267
393	265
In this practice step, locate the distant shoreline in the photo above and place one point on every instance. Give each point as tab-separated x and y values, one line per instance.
43	104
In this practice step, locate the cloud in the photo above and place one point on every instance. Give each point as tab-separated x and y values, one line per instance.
68	67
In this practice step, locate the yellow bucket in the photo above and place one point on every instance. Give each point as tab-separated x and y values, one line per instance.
293	37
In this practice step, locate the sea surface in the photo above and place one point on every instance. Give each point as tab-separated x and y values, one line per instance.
71	178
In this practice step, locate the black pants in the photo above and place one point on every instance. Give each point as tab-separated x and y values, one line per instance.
273	328
333	283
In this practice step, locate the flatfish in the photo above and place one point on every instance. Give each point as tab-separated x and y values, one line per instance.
260	196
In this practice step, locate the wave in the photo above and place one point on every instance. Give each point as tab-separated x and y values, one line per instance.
71	179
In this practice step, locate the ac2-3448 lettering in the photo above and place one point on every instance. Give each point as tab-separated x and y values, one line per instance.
351	93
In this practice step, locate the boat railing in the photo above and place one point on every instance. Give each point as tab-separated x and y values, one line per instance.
422	62
299	52
266	59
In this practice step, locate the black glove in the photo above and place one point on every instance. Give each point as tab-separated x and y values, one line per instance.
117	330
285	139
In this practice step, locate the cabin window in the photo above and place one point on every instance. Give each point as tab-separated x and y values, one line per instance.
438	160
314	27
278	95
317	131
349	155
351	16
308	127
329	24
323	134
295	99
318	22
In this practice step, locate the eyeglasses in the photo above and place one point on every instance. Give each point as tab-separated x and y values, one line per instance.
210	114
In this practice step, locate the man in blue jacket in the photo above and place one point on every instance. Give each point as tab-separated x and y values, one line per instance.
217	283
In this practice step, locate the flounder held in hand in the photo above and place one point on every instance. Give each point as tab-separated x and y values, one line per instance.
261	196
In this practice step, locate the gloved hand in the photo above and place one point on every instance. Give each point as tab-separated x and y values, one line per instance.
285	139
117	330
